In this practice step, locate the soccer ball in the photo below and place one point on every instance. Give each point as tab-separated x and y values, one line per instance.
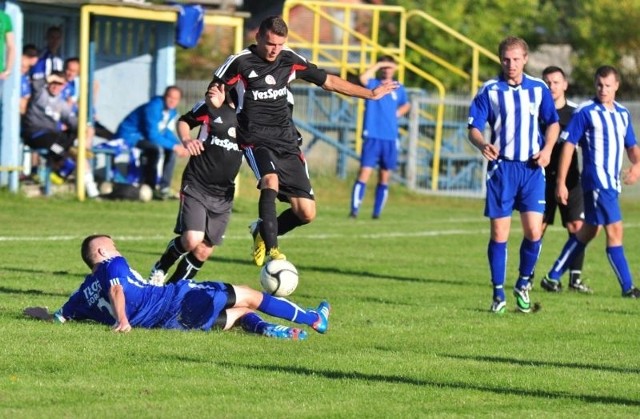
145	193
279	278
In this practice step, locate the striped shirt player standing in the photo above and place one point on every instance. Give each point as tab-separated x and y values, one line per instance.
513	104
261	75
603	129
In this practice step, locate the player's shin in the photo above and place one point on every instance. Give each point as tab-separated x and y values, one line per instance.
267	213
285	309
497	254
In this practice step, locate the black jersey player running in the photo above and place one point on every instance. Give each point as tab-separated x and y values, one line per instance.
206	195
261	75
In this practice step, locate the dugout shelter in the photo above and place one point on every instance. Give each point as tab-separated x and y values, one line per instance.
129	46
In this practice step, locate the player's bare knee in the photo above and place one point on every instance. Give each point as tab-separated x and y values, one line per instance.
202	251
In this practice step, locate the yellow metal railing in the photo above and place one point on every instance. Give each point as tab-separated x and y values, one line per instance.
365	46
476	50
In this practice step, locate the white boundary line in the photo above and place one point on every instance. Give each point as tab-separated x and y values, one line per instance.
426	233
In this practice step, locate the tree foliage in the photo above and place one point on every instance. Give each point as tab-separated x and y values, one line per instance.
604	32
599	32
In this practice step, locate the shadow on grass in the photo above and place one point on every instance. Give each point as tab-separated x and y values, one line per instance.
352	273
326	270
528	362
6	290
38	271
394	379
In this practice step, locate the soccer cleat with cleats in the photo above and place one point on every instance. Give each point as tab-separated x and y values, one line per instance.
523	303
283	332
259	248
157	276
498	306
322	324
578	286
632	293
550	285
275	254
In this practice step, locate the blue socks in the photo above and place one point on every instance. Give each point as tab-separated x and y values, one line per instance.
382	191
357	195
529	253
497	254
618	262
571	249
285	309
252	323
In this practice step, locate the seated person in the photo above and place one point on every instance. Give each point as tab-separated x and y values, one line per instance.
50	123
70	94
151	128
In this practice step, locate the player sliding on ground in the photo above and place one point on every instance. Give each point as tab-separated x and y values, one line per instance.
116	295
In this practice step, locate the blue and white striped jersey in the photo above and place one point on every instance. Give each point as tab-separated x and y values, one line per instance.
514	114
603	135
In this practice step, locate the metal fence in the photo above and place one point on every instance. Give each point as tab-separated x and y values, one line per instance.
328	124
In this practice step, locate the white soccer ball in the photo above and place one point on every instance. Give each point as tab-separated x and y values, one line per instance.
279	278
145	193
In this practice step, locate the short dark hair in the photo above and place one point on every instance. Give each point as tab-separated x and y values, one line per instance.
605	71
273	24
553	69
85	248
30	50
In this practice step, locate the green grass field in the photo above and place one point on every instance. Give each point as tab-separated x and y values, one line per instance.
410	333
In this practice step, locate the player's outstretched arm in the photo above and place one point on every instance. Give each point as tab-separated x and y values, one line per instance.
339	85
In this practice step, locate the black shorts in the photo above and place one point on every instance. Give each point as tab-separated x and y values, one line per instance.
291	168
57	142
221	320
573	211
200	212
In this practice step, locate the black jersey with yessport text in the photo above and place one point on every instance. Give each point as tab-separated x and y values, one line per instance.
264	114
213	172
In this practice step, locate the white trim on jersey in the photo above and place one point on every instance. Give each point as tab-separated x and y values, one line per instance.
286	48
230	59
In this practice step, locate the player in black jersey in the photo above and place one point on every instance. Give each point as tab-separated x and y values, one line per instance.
206	195
572	214
261	74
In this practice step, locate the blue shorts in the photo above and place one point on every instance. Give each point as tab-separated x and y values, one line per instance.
379	152
199	305
514	185
601	207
